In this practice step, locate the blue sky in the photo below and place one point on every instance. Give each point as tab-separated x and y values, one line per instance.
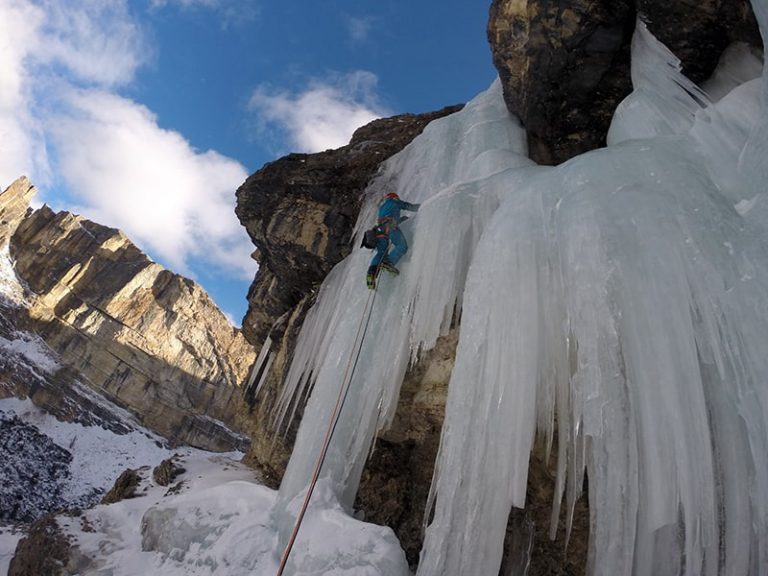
146	115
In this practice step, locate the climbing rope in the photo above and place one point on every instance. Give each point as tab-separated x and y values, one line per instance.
340	399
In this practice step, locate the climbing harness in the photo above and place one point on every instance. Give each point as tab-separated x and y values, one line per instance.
340	399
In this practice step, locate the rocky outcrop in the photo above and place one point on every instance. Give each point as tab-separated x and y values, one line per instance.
565	66
150	340
14	203
125	487
167	471
45	550
300	211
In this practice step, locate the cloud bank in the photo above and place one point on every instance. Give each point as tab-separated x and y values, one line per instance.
175	200
322	116
63	122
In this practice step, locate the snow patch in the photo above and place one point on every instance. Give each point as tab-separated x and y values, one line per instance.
36	353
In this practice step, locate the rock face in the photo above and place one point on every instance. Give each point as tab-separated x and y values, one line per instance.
150	340
300	211
14	203
565	65
45	550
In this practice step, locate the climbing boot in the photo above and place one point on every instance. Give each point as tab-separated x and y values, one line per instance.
389	267
370	278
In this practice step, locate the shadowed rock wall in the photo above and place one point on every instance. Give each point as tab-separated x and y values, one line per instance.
300	212
565	66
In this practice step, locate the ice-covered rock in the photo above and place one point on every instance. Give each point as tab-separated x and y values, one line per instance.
619	300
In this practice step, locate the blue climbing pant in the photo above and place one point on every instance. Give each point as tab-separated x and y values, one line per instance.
382	244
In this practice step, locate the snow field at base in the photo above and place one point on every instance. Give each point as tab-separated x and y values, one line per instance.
623	295
218	523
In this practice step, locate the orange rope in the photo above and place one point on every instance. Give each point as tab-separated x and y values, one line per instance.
331	427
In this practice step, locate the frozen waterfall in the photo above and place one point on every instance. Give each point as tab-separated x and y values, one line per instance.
620	300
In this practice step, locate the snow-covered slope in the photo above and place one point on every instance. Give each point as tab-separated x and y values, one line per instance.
218	522
48	465
215	520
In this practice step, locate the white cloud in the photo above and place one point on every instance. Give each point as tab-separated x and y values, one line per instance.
20	146
323	116
97	42
62	61
359	27
88	42
187	3
231	12
149	182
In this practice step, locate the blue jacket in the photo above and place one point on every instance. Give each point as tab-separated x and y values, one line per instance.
389	211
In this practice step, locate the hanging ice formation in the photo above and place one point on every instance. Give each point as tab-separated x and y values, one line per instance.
622	295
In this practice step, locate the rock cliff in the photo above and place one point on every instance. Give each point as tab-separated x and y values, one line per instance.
300	211
14	202
565	65
150	340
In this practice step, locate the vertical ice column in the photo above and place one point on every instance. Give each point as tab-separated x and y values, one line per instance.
627	265
445	169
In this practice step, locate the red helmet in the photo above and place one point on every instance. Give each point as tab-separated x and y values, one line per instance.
391	195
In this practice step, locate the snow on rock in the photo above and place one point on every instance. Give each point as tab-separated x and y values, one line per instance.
51	464
10	288
217	520
32	350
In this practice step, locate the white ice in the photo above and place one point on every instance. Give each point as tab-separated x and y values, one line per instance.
409	313
622	297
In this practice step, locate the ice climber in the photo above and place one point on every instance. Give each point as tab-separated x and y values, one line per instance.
388	231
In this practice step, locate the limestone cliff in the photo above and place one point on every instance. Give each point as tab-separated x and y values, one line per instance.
14	202
149	339
299	211
565	65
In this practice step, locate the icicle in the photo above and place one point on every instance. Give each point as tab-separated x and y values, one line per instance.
257	368
664	101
